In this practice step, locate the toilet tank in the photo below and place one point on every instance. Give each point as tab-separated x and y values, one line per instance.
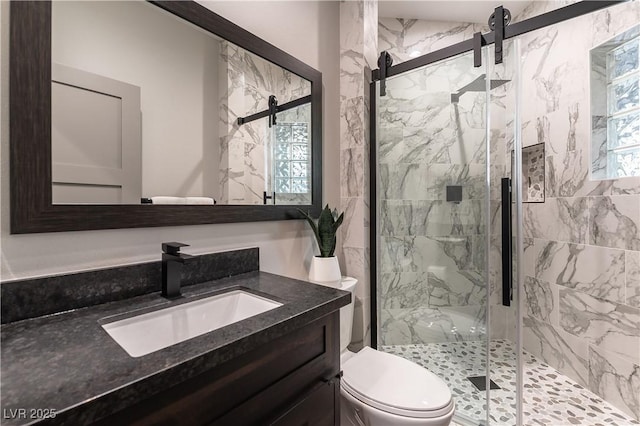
346	312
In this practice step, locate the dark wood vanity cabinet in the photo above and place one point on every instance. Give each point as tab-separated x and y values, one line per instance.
319	407
291	380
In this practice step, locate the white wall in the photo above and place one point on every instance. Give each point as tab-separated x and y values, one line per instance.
308	30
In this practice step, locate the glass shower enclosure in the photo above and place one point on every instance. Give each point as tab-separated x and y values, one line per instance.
506	220
443	143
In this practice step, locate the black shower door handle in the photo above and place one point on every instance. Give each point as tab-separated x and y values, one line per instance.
507	264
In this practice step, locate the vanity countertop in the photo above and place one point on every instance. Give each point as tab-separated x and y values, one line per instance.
68	365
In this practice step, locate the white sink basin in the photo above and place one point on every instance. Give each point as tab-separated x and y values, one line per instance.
146	333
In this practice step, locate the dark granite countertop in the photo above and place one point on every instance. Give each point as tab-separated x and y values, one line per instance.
68	363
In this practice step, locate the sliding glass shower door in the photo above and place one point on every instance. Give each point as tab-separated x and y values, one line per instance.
442	147
432	189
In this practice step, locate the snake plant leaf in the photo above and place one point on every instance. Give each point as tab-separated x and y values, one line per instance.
325	229
338	222
336	225
326	232
333	249
312	224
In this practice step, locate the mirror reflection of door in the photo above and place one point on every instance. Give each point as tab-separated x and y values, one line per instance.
96	139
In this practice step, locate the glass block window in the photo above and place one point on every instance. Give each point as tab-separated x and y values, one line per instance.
623	105
293	158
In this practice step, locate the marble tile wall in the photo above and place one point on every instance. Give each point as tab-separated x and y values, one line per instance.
432	277
358	56
402	38
583	243
245	83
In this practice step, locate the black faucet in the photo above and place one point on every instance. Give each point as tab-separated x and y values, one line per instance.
172	261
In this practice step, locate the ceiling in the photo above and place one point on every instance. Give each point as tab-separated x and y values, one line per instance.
476	11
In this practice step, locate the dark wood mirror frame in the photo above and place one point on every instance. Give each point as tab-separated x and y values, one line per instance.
32	210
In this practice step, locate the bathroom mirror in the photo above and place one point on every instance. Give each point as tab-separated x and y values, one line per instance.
153	114
119	106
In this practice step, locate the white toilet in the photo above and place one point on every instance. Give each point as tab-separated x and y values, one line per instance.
381	389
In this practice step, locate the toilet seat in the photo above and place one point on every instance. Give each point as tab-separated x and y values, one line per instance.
395	385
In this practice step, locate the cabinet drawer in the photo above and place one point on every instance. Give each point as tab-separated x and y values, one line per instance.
319	408
273	377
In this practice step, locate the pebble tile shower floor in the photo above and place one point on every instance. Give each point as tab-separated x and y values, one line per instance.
550	398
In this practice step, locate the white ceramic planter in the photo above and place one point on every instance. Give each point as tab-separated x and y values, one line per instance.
324	269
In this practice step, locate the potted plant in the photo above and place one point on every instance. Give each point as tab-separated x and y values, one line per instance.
325	268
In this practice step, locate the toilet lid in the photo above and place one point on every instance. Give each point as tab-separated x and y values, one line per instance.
395	385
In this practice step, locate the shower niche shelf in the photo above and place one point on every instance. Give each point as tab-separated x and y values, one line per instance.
533	184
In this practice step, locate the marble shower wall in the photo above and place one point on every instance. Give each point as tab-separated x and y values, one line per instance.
582	255
358	56
246	82
432	278
402	37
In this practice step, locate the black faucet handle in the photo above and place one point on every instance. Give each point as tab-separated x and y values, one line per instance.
173	247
